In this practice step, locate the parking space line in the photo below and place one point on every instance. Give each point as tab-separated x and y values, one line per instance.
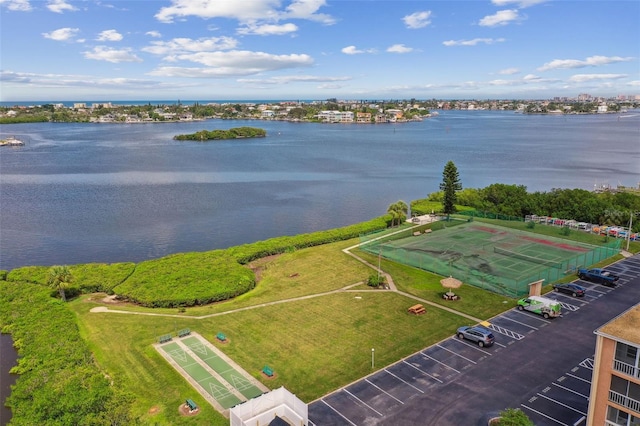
439	362
571	390
544	415
564	405
569	307
587	363
530	315
423	372
521	323
579	378
364	403
382	390
455	353
404	381
580	420
338	413
505	331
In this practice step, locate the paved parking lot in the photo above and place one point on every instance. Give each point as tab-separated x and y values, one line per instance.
541	366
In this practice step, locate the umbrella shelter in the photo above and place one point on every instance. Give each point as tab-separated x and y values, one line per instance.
450	283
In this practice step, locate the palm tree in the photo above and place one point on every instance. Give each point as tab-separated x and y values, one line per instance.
399	211
59	278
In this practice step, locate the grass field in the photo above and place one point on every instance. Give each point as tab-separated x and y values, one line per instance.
315	345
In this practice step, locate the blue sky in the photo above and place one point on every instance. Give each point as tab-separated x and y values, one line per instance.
57	50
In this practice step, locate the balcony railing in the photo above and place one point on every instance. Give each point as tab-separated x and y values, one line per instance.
625	401
628	369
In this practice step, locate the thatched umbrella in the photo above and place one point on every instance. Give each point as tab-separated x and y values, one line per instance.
450	283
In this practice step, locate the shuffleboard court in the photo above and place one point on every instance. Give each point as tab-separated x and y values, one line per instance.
220	366
219	380
201	376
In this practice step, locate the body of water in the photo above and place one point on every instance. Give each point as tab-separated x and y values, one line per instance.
80	193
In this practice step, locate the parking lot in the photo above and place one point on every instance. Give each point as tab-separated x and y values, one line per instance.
542	366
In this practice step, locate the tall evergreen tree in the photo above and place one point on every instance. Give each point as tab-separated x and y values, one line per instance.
450	184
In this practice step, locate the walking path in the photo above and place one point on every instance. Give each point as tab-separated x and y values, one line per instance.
391	287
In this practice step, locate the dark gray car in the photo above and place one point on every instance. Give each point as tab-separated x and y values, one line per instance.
477	334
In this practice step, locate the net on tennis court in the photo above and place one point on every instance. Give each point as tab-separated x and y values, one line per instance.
531	259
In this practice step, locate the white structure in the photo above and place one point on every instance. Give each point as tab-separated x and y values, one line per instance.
262	410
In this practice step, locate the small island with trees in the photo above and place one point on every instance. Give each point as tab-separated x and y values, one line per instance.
233	133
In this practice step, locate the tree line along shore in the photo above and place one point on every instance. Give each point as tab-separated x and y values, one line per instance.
331	110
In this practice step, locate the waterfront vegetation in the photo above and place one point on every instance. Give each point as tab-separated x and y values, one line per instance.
411	109
233	133
83	367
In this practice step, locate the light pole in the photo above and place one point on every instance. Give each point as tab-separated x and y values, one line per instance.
372	357
629	230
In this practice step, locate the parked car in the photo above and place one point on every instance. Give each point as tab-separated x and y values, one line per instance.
574	290
477	334
598	275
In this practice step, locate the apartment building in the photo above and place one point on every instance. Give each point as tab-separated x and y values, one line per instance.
615	385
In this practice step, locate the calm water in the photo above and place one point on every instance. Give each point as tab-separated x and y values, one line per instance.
115	192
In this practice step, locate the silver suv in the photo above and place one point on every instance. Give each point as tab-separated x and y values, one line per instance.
475	333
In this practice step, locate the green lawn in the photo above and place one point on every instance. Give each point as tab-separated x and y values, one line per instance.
315	345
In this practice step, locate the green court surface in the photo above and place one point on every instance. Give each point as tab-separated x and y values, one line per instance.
495	258
200	374
220	366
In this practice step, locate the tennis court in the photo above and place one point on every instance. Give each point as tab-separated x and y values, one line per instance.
495	258
216	377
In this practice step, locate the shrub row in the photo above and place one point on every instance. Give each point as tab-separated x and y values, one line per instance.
186	279
249	252
87	278
59	383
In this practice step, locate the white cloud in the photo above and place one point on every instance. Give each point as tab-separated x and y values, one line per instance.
243	11
186	45
59	6
417	20
502	17
399	48
519	3
591	61
509	71
233	63
17	5
286	79
61	34
307	9
155	34
352	50
581	78
635	83
531	77
109	35
268	29
77	81
473	42
103	53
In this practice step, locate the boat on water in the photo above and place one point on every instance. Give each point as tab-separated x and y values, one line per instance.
11	141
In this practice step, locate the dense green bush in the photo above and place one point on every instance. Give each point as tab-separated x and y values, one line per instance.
59	383
248	252
186	279
92	277
87	278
